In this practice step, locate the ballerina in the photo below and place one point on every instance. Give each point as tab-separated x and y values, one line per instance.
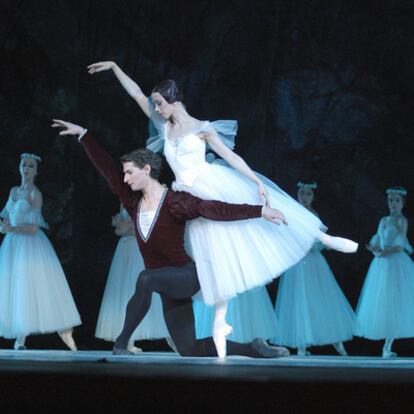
310	306
34	294
249	254
385	307
126	265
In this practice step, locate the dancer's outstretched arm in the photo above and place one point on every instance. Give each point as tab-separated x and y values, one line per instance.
100	159
129	85
237	162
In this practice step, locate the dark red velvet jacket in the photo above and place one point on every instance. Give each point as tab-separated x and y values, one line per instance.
164	245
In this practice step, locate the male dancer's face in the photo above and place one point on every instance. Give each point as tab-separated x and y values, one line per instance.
137	178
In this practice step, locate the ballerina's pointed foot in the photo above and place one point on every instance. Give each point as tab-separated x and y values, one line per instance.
340	349
67	338
387	353
340	244
220	331
134	349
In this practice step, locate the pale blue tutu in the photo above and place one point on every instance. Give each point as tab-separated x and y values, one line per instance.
386	306
35	297
250	314
311	307
126	265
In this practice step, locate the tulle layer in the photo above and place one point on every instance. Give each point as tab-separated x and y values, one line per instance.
126	265
250	314
34	294
311	307
386	305
233	257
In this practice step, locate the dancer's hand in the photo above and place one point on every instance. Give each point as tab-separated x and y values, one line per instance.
68	128
263	194
116	219
100	67
5	226
273	215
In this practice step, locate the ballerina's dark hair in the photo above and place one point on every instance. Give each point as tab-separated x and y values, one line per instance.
168	89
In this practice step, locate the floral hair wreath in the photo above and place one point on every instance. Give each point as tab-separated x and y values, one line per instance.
312	186
30	155
397	190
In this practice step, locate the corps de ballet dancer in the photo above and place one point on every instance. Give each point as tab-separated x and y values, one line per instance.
35	297
231	258
169	270
310	306
127	264
386	306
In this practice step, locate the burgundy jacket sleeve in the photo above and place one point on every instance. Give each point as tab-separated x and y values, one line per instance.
185	206
106	166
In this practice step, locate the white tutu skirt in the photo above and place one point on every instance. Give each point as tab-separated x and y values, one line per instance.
311	307
35	297
250	314
386	305
232	257
126	265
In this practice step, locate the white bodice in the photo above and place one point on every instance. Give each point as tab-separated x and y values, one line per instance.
20	213
187	157
389	235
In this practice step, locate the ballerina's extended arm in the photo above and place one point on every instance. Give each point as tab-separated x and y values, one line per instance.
128	84
237	162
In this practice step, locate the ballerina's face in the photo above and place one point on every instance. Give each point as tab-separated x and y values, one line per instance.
137	178
305	196
395	203
162	107
28	168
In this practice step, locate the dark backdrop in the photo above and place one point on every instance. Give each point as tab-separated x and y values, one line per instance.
323	90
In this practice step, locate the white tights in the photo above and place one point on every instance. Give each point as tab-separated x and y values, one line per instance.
220	328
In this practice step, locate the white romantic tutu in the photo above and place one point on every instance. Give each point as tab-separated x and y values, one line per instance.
233	257
126	265
311	307
250	314
34	294
386	305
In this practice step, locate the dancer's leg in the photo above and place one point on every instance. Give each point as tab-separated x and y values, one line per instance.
220	328
19	343
386	350
67	338
179	318
174	282
339	346
131	347
338	243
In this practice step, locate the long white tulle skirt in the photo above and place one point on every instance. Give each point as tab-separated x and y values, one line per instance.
250	314
126	265
386	306
311	307
34	294
232	257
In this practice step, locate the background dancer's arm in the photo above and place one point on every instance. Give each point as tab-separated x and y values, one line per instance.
36	201
128	84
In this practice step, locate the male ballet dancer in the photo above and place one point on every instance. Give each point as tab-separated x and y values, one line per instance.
160	235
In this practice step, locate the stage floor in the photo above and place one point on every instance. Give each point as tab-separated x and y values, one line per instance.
167	364
44	381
